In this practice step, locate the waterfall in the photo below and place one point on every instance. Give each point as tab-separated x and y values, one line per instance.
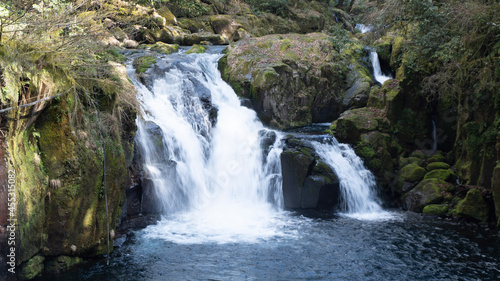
357	184
434	137
377	71
218	179
214	167
363	28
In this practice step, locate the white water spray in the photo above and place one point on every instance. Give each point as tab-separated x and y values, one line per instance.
357	184
215	183
377	71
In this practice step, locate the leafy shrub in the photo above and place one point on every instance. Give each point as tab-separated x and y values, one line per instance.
277	7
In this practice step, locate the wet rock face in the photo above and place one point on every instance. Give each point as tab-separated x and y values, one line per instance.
307	182
294	80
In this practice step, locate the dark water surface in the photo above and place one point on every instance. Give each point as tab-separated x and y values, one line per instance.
409	247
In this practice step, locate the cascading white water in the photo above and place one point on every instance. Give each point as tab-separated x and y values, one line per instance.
434	137
363	28
216	183
357	184
221	181
377	71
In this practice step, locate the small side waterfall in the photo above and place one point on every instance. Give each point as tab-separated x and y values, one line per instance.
363	28
377	71
434	137
357	184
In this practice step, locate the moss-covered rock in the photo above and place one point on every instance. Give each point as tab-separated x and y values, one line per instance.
438	157
292	80
409	160
224	25
412	172
197	49
143	63
435	210
375	148
473	206
62	263
407	178
429	191
437	165
32	268
351	124
197	38
164	48
194	25
170	19
446	175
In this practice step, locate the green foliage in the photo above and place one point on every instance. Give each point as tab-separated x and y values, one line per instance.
187	8
277	7
452	46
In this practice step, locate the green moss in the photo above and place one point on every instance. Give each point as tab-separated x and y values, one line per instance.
446	175
164	48
473	206
412	172
197	49
435	210
436	158
62	263
427	192
437	165
142	64
167	14
32	268
409	160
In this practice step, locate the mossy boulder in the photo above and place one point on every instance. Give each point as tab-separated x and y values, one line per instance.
170	19
412	172
32	268
437	165
429	191
377	150
164	48
198	38
403	161
435	210
143	63
351	124
197	49
308	20
407	178
224	25
62	263
194	25
446	175
291	80
438	157
474	206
